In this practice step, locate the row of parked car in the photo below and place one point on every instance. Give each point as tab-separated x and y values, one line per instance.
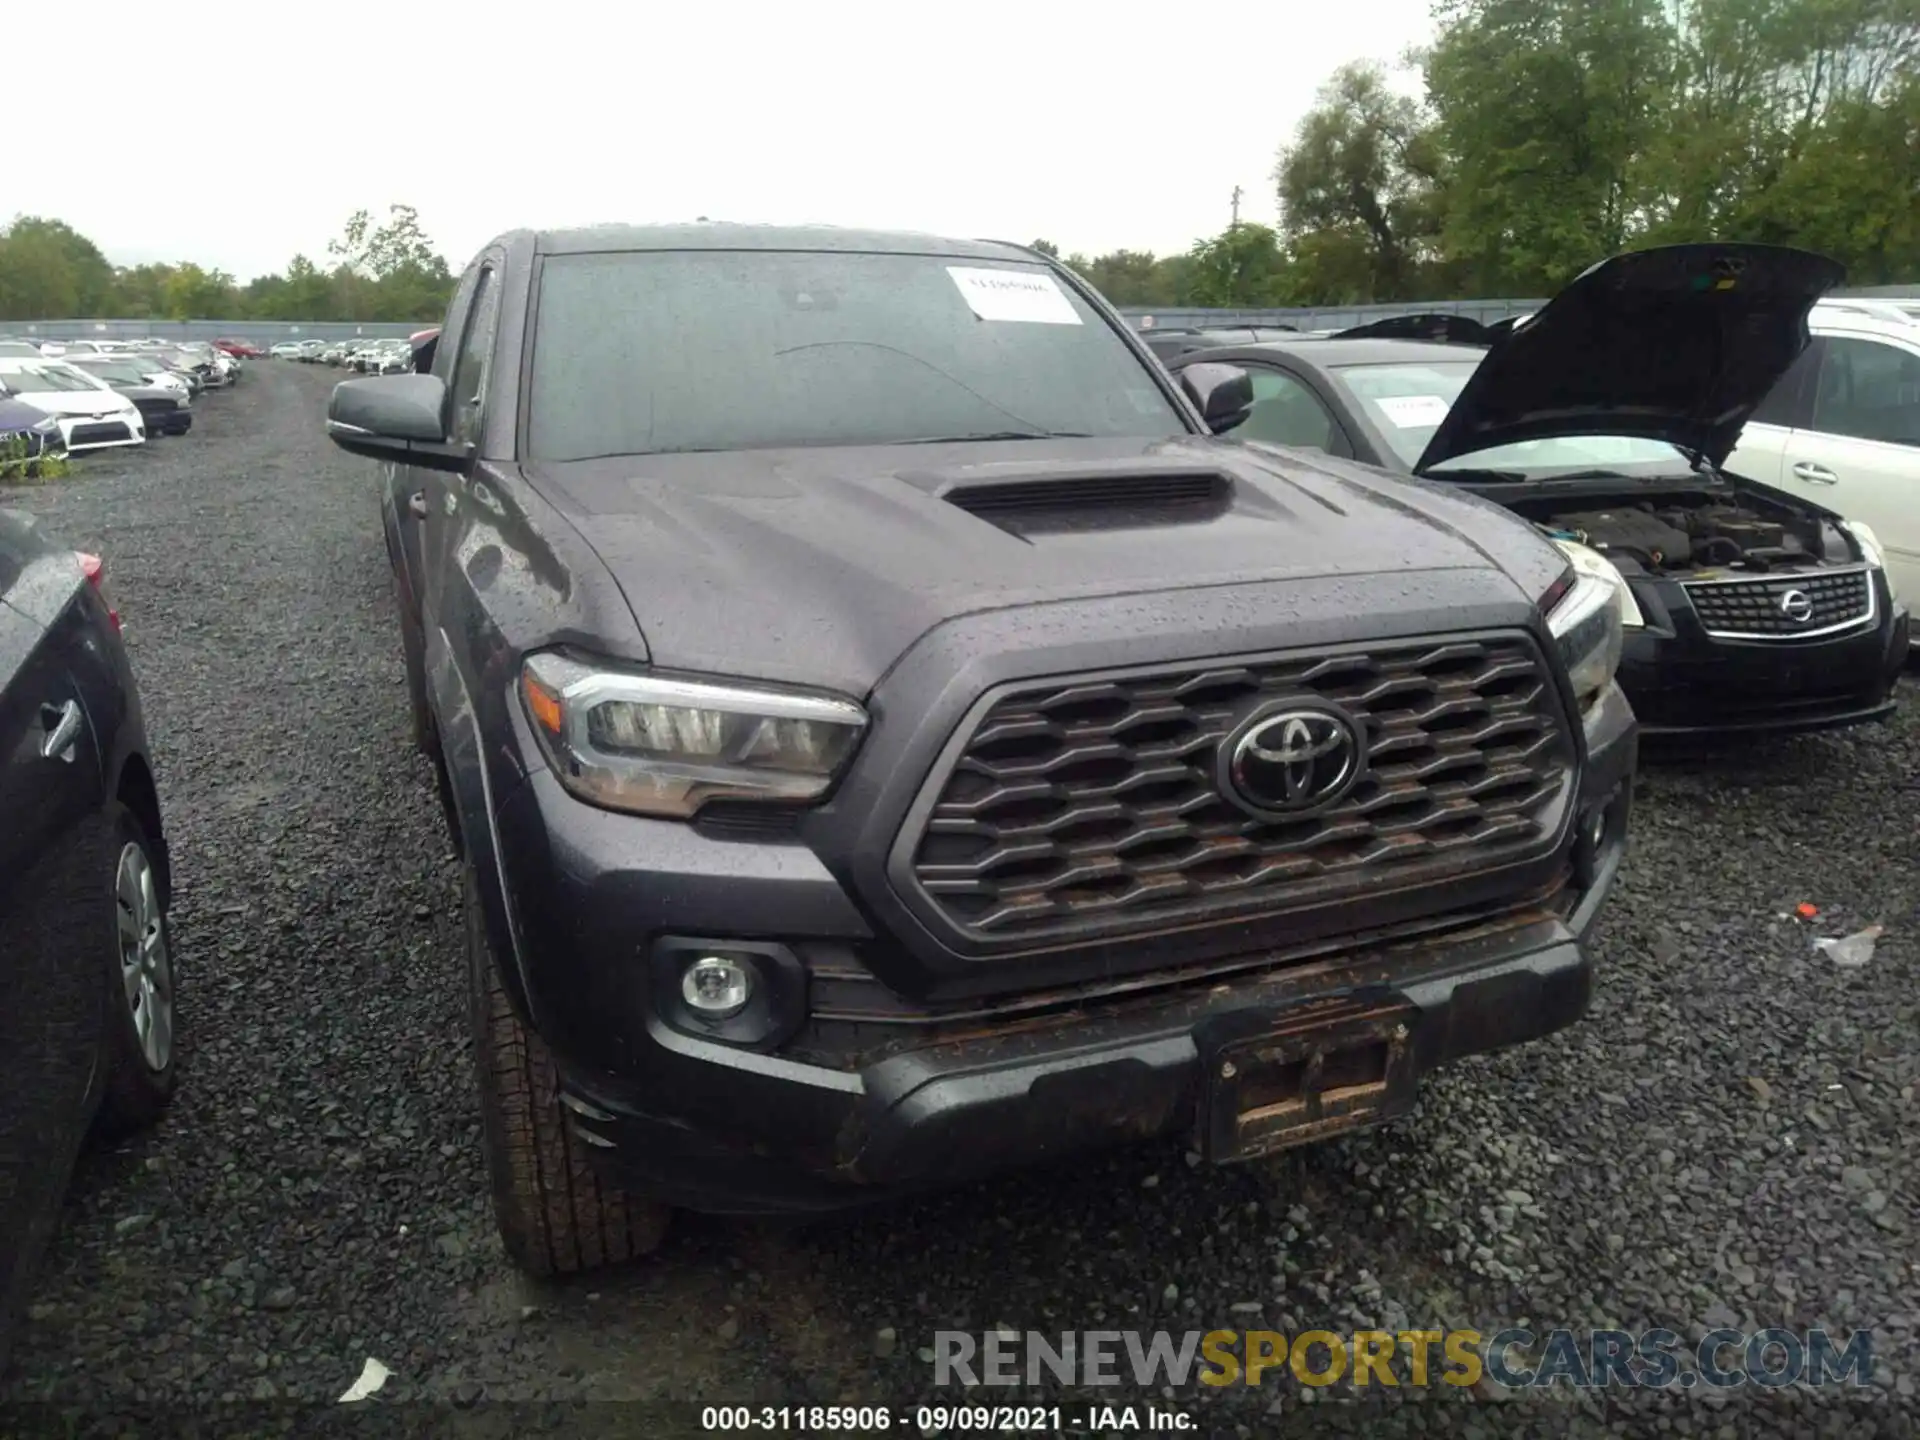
66	397
370	357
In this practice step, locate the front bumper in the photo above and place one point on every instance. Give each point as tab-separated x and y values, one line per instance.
80	434
846	1110
1684	682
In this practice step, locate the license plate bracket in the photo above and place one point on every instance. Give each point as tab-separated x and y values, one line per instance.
1317	1071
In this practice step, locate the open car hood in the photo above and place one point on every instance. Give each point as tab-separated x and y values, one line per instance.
1679	343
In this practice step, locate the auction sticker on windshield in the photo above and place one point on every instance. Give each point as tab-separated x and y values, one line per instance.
1411	411
1030	296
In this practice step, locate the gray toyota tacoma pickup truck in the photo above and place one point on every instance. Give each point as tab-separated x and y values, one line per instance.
891	738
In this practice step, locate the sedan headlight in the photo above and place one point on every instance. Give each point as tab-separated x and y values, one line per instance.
49	426
1871	550
1586	627
656	745
1590	562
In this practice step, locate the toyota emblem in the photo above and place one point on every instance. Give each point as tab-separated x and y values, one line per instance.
1292	761
1797	606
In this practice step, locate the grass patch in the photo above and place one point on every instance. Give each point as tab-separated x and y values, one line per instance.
17	467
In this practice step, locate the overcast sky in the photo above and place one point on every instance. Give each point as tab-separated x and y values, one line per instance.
1094	126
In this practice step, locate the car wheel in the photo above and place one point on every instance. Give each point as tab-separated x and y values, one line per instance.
142	1055
556	1215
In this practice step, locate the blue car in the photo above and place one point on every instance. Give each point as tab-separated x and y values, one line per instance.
26	431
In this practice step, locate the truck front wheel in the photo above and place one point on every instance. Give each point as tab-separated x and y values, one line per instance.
556	1215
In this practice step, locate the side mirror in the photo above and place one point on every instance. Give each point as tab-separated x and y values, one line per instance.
1222	393
399	418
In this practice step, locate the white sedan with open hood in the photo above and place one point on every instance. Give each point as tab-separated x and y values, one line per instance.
91	415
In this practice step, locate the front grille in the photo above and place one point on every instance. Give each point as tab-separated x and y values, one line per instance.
1088	807
104	434
1752	609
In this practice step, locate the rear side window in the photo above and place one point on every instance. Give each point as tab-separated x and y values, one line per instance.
665	351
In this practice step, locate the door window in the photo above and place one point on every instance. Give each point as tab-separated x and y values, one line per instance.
1286	412
1869	390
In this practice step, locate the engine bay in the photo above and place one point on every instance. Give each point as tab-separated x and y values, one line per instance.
1670	534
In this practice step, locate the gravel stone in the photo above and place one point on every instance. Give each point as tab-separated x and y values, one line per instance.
1651	1166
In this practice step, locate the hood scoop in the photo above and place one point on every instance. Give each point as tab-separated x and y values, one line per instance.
1055	501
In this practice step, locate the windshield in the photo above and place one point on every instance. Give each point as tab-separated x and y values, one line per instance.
1408	402
48	377
654	352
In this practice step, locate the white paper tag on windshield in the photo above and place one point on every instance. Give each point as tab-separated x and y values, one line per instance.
1030	296
1411	412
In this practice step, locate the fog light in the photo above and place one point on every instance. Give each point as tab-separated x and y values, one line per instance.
716	988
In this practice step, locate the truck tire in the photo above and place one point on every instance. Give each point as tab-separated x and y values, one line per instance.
556	1215
142	1050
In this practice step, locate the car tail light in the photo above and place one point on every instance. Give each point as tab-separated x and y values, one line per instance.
95	569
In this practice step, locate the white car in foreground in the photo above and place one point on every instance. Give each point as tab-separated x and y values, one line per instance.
1843	429
90	415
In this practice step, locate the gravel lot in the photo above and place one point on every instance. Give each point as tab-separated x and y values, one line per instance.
1730	1139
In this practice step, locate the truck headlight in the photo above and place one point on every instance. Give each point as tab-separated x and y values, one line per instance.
1587	633
658	745
1871	550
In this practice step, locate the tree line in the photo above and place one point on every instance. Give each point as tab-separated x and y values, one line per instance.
1530	139
1542	135
371	271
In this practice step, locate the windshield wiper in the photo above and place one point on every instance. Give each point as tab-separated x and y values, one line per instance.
1543	477
995	435
1601	473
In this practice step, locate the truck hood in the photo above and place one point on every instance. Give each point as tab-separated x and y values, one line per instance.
1679	343
822	566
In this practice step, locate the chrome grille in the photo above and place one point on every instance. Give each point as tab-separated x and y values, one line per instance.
1090	806
1754	609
